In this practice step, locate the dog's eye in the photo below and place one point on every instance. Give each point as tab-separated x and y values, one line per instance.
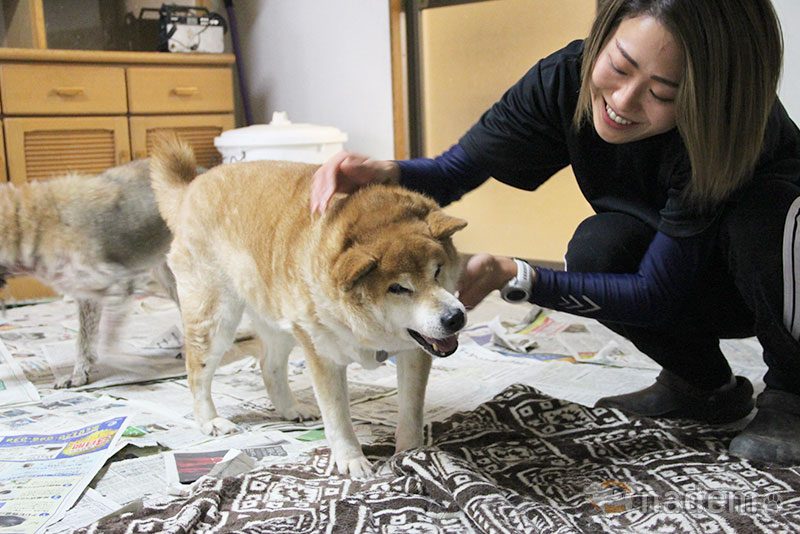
438	270
397	289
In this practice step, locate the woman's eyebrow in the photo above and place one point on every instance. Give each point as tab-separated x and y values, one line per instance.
635	63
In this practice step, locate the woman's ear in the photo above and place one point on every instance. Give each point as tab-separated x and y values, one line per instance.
442	225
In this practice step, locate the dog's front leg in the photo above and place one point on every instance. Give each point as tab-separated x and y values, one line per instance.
89	312
413	368
330	386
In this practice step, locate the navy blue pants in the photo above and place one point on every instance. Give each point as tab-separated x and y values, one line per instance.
750	286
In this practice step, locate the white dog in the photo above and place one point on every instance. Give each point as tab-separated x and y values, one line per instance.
88	236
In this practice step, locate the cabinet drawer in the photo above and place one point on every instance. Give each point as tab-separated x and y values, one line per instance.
62	90
179	90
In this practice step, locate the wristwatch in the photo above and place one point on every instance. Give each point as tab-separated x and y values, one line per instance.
519	288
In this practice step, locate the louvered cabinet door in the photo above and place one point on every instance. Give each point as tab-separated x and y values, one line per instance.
40	148
198	131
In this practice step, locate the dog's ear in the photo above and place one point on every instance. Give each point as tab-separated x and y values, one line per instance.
442	225
351	266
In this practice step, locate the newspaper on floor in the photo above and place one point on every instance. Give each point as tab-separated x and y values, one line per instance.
42	339
548	335
149	423
91	507
125	364
127	481
262	448
43	475
15	388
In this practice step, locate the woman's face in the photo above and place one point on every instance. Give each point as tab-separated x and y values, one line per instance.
635	81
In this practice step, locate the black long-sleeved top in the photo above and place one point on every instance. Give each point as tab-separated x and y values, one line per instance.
528	136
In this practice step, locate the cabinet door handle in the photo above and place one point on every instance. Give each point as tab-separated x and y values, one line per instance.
69	91
186	91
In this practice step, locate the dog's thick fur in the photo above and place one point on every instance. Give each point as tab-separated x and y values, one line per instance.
90	237
373	273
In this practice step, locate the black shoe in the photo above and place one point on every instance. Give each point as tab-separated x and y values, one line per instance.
773	436
671	396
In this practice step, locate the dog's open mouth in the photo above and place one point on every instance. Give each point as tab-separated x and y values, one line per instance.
437	347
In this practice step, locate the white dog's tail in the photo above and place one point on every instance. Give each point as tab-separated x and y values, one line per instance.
172	169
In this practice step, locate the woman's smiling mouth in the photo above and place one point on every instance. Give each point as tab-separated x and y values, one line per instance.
614	117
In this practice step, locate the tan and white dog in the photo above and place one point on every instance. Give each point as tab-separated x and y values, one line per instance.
90	237
374	273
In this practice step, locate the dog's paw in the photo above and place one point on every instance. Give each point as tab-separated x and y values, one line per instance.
358	467
218	426
73	381
300	412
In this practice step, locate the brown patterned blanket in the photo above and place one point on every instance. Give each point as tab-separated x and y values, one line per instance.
522	462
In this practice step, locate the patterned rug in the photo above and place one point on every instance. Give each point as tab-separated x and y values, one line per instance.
522	462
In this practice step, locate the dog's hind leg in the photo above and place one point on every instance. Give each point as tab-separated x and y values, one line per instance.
89	324
274	370
163	275
413	368
210	317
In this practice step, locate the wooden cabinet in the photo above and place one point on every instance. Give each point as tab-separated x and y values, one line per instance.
85	111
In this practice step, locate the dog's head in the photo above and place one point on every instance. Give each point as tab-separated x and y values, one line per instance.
396	270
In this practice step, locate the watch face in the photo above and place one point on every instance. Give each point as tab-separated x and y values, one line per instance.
515	295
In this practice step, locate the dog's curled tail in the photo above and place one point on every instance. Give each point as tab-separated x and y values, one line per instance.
172	169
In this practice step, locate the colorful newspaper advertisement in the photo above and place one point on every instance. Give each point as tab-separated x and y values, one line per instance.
43	475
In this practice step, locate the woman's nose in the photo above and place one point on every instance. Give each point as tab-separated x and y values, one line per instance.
628	97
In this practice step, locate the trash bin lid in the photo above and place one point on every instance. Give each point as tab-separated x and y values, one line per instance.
280	131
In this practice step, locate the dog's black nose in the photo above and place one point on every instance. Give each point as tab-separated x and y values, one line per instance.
454	320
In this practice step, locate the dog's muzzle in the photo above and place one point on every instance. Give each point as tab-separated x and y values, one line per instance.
453	320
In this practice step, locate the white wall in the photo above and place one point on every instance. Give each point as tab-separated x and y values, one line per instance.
324	62
789	13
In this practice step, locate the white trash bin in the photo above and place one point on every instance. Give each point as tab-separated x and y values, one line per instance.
280	140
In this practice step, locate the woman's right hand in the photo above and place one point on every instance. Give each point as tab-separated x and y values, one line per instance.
344	173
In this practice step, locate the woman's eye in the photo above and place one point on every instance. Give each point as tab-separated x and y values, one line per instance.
615	68
661	98
397	289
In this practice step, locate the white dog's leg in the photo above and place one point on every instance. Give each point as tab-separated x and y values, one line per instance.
116	307
209	331
413	369
89	312
330	386
163	275
274	370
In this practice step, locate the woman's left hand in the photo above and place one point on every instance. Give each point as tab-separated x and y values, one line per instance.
483	274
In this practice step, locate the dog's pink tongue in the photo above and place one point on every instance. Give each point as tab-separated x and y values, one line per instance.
446	345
